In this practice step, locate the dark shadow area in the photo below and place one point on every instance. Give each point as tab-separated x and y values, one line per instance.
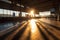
58	28
19	34
28	38
42	33
12	19
52	35
5	35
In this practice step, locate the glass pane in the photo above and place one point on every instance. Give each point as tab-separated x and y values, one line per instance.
9	13
1	11
17	13
12	12
5	11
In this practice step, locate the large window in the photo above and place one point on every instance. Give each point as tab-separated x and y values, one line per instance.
17	13
8	13
12	12
45	13
5	11
1	11
23	14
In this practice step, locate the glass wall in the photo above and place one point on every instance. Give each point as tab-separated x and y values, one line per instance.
8	13
45	13
24	14
1	11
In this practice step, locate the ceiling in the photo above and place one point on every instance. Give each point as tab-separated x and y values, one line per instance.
40	5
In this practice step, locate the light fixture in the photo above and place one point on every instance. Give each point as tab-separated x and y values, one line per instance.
18	4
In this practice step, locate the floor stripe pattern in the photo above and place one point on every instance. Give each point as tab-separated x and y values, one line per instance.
33	30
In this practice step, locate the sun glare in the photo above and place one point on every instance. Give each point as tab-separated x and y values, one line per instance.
32	13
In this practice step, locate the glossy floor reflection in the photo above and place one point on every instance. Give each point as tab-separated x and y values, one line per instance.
34	29
35	34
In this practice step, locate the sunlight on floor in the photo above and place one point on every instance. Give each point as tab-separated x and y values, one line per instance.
33	25
35	34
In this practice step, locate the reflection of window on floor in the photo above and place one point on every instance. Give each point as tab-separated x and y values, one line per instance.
8	13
